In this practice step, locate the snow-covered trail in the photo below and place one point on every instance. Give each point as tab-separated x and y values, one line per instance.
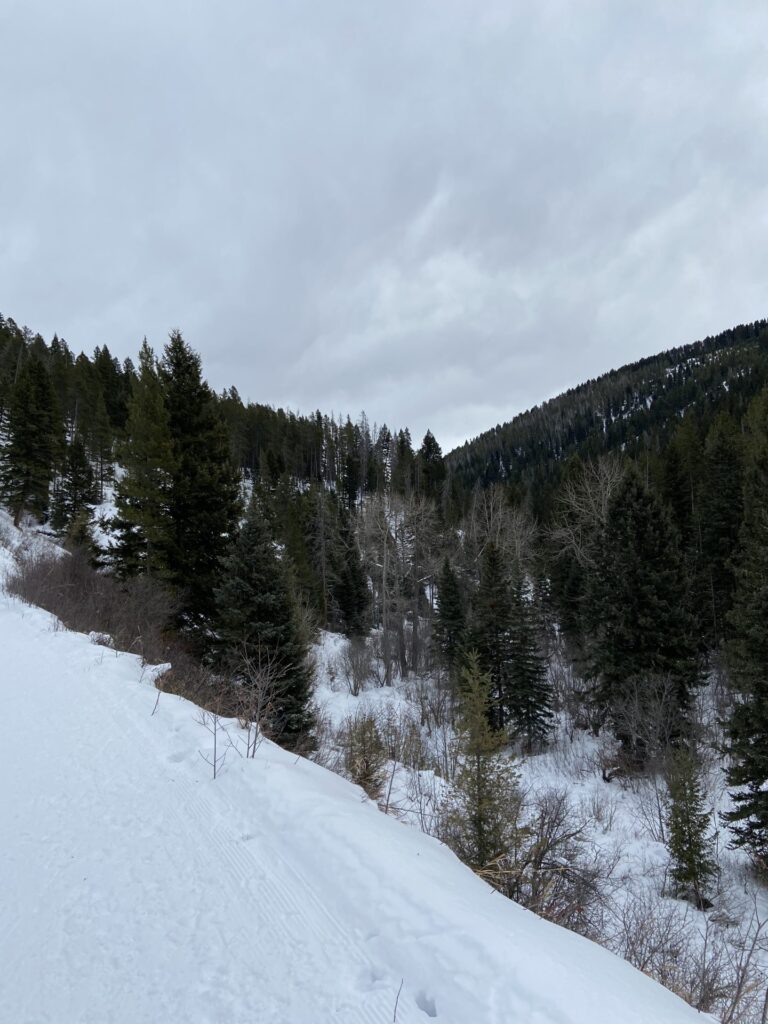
134	888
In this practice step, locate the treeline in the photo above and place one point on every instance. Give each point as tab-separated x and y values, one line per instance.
634	409
627	529
79	406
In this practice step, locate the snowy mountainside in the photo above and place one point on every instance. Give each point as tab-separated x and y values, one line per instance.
137	888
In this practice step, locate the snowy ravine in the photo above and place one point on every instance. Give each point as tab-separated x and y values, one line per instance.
135	888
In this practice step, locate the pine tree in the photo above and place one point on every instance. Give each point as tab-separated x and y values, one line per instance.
449	630
748	654
529	694
143	493
203	502
256	624
34	438
479	825
491	631
688	842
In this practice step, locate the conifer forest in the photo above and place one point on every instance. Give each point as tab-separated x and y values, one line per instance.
544	644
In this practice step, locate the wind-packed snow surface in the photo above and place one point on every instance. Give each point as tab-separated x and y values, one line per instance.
135	888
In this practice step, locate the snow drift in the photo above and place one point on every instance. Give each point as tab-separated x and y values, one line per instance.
137	889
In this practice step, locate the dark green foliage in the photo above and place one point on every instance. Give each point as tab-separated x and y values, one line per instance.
33	440
491	632
143	494
449	631
101	443
748	654
256	626
203	500
403	463
689	844
479	826
430	468
681	482
638	623
319	539
721	515
351	587
76	489
634	410
114	388
529	696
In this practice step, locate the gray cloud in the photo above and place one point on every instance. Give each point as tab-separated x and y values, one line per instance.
440	212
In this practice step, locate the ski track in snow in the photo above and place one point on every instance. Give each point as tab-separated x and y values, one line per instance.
137	889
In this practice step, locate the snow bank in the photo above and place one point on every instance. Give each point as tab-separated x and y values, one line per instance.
137	889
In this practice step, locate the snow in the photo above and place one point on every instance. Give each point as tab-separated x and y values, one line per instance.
138	889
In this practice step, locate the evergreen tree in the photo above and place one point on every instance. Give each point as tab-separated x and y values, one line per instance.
113	387
403	464
688	842
530	695
430	469
479	825
76	489
748	654
33	440
449	630
491	632
143	494
721	516
638	621
681	478
351	587
203	502
351	478
100	442
256	624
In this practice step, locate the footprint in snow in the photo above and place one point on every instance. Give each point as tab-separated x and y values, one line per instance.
426	1004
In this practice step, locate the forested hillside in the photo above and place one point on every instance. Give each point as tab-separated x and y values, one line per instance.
635	409
587	583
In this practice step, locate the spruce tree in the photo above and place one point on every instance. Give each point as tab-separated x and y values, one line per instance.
529	694
256	624
430	468
351	584
101	443
479	826
203	501
76	488
34	438
403	464
636	609
320	517
688	842
143	494
491	631
721	514
748	654
449	630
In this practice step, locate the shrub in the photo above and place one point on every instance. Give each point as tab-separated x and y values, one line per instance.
134	613
363	753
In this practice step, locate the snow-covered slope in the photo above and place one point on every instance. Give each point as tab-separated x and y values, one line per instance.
134	888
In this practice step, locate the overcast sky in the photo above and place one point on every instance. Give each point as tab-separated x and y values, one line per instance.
439	211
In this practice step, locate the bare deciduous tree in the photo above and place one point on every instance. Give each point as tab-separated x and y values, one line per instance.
584	509
258	684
